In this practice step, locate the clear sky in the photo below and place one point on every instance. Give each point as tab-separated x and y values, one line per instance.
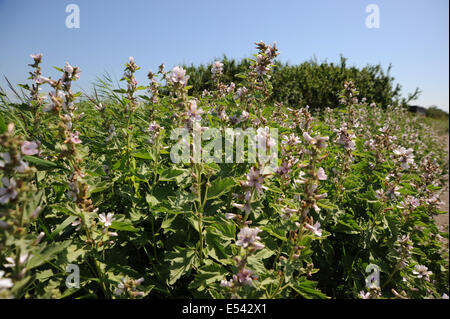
413	36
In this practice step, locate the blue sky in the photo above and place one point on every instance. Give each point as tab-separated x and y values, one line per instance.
413	36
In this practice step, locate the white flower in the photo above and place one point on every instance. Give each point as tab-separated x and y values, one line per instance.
68	68
120	287
264	139
230	216
239	92
321	174
77	223
23	167
226	283
39	238
178	75
444	296
194	113
255	179
153	126
106	219
29	148
217	68
315	229
292	139
6	159
36	57
8	192
74	138
5	282
244	116
245	276
287	212
319	141
422	272
248	237
247	208
406	156
22	260
364	295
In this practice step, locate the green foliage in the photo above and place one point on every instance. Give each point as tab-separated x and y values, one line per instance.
309	83
355	185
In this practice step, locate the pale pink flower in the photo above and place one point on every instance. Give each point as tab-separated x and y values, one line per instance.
230	216
255	179
36	57
244	116
8	192
217	68
77	223
321	174
178	75
364	295
422	272
74	138
248	237
247	208
194	113
6	159
5	283
22	260
68	68
29	148
245	276
106	219
226	283
315	229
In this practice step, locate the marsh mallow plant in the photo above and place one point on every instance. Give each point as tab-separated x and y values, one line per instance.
268	200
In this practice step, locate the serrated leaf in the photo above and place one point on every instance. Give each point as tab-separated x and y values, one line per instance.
118	225
180	263
171	174
41	164
220	186
308	289
48	254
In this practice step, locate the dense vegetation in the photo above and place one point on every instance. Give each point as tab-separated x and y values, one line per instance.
310	83
92	183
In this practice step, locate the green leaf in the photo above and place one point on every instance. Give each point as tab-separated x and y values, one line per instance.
171	174
52	250
117	225
41	164
63	225
151	200
215	246
180	262
278	233
308	289
3	126
220	186
143	155
207	275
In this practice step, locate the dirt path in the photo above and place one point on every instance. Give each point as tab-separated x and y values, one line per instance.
443	220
